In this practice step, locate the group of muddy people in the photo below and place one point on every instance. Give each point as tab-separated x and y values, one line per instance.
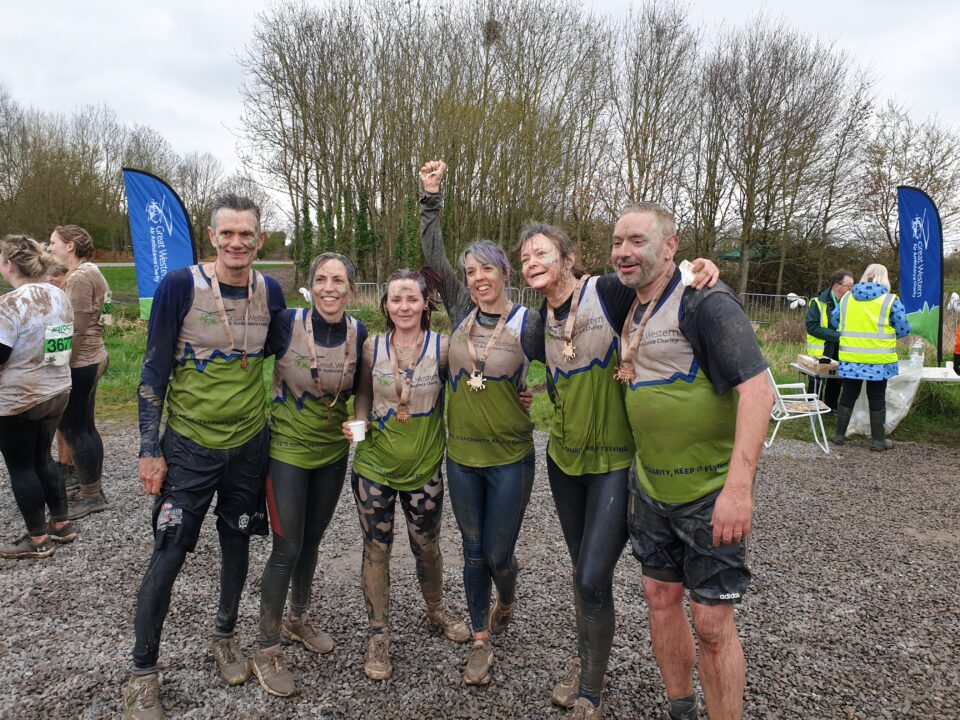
660	399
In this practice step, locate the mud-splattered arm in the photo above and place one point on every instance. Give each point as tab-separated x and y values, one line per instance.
170	305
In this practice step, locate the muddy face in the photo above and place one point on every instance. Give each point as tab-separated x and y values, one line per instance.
405	304
541	263
235	238
484	280
640	253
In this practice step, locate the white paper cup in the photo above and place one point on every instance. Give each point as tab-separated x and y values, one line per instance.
948	366
359	429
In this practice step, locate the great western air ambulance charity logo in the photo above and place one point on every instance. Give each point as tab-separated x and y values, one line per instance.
161	229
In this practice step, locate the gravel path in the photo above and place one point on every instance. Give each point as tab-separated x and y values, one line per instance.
852	613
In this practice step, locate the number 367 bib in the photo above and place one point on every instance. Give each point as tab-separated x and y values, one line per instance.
57	344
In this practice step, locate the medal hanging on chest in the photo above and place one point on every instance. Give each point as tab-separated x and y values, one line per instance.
348	345
626	372
569	351
225	322
403	382
476	381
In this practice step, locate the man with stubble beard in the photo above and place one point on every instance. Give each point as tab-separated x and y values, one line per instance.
698	403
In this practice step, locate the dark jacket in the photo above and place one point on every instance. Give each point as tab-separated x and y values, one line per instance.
829	335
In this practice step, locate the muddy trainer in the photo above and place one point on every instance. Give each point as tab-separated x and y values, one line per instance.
208	325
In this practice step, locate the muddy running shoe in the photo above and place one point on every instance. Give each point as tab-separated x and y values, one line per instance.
66	534
233	666
377	665
686	708
271	671
141	698
23	548
479	661
565	692
454	629
81	505
583	709
500	616
303	631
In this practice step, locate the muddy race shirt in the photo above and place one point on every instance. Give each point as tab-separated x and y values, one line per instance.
590	433
90	296
697	347
489	427
305	430
404	456
210	399
36	322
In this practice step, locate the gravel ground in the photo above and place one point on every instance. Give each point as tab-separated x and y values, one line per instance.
851	613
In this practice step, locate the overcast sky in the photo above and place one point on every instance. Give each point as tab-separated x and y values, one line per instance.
172	64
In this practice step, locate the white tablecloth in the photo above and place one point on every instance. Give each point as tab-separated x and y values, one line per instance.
901	390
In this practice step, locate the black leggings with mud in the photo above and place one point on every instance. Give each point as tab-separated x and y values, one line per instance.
78	424
301	505
423	509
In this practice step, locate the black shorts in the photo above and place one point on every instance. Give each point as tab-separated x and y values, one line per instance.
195	473
674	543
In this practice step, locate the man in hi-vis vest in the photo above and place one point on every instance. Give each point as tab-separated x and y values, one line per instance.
823	338
870	318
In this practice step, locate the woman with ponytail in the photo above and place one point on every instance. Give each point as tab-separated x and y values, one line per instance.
36	337
90	296
400	397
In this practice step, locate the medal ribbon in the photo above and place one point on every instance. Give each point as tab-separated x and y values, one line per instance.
347	351
403	384
626	365
471	322
572	316
222	312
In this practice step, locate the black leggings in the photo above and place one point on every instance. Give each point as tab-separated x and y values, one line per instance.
876	393
593	514
153	601
77	424
25	444
301	504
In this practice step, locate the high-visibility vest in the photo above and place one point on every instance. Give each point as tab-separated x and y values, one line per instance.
815	344
866	335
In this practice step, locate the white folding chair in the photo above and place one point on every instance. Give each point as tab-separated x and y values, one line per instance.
794	404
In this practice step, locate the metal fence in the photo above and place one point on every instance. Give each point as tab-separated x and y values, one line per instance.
366	295
764	309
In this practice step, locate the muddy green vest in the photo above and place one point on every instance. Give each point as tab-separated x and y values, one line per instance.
683	429
489	427
815	344
303	432
589	433
211	399
866	335
404	456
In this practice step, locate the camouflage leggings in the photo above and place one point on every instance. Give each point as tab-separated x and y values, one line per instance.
423	509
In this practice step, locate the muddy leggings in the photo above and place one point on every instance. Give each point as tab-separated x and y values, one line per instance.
25	445
423	509
593	515
77	424
301	504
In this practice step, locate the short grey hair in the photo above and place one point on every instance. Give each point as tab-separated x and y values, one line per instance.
487	252
666	222
232	201
326	257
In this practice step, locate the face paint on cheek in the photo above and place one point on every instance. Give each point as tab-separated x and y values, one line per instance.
550	258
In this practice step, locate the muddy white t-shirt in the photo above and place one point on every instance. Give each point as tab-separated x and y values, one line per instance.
36	321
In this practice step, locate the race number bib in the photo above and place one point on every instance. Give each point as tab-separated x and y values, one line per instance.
57	344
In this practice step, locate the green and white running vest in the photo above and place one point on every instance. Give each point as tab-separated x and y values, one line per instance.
211	400
684	430
590	433
489	427
404	456
303	432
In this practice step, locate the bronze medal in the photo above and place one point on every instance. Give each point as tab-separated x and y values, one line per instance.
476	381
222	312
403	382
626	372
569	349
